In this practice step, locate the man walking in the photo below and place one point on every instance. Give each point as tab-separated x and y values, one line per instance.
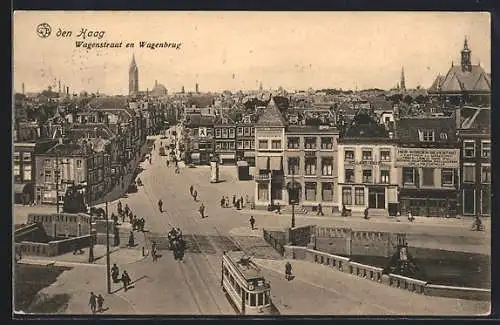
126	280
100	302
366	214
202	211
195	195
160	205
252	222
93	302
320	210
288	271
191	189
115	272
153	251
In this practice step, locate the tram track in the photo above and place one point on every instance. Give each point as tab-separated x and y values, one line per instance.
172	214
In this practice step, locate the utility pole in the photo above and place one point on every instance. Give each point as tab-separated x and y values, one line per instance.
108	270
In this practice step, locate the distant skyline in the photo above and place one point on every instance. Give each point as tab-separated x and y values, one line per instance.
238	50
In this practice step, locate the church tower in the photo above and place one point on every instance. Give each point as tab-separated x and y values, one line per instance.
403	84
466	63
133	77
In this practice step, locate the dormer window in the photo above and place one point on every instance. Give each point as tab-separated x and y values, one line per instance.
443	136
426	135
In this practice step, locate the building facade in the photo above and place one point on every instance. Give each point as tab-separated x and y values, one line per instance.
367	177
225	141
474	135
310	164
201	137
427	158
245	140
269	174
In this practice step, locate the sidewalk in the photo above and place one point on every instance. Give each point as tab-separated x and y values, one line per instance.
464	222
120	256
317	289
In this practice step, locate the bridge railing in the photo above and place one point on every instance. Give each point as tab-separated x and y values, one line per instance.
277	242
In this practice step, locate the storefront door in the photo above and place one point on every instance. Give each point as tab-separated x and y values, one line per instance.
376	197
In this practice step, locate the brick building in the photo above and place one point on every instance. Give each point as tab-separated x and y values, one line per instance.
225	140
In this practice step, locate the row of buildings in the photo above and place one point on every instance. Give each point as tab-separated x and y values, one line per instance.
92	149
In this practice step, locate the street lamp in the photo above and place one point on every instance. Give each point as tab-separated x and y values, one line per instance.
293	196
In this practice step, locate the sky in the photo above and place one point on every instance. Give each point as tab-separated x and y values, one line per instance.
238	50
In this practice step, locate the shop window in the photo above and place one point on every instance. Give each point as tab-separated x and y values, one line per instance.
359	196
346	196
263	192
428	176
447	177
327	191
310	188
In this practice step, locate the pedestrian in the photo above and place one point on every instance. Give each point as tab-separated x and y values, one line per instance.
93	302
153	251
278	208
114	273
191	188
131	242
160	205
222	201
127	209
410	217
126	280
234	200
143	222
134	223
320	210
252	222
366	213
398	214
195	195
288	271
344	210
119	206
227	202
100	302
114	218
202	211
168	162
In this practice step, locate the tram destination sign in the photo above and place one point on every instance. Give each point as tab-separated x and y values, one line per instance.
427	158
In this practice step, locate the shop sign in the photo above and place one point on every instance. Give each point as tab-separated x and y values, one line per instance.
427	158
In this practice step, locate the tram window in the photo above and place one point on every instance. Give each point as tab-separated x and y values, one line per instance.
252	299
266	298
260	299
226	272
231	279
247	298
238	288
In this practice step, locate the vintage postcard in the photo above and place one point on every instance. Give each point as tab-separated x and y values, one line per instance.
251	163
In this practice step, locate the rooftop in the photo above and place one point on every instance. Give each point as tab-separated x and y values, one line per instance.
363	126
248	270
458	80
312	129
271	116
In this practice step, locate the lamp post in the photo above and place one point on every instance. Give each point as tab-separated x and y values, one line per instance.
293	199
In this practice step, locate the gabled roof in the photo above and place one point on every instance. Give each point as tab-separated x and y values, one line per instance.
195	120
459	80
271	116
93	130
407	129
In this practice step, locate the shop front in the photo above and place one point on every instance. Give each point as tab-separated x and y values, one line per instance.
428	203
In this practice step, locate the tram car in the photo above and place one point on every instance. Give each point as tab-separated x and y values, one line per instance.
245	286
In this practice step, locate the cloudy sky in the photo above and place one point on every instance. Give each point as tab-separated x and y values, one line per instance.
237	50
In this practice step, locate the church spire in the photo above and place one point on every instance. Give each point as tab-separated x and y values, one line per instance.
133	77
466	59
403	84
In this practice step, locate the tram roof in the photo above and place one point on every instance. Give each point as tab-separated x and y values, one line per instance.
250	271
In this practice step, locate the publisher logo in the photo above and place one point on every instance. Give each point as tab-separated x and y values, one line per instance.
43	30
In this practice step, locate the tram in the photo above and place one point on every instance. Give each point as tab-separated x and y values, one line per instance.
244	285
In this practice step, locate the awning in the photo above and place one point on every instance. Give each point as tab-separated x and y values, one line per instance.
276	163
19	188
195	156
249	154
227	156
262	162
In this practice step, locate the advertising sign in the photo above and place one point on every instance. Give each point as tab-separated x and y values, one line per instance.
202	132
427	158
